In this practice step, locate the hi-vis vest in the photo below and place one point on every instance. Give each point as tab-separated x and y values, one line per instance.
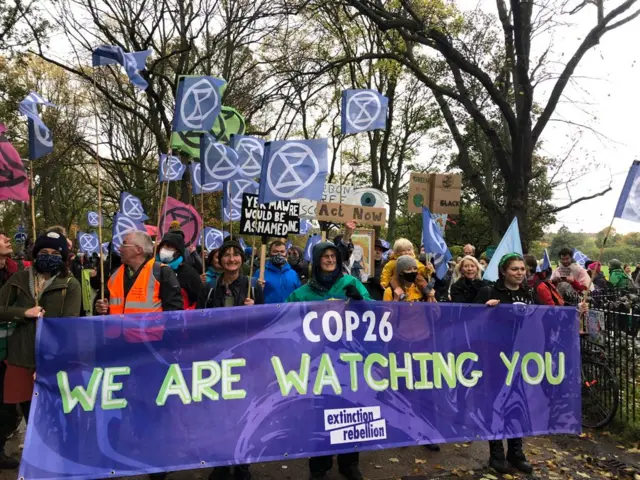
143	297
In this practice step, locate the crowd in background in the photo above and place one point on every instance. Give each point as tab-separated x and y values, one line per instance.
145	277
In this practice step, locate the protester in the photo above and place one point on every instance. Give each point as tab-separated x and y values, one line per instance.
295	257
328	282
597	277
402	247
469	250
617	277
9	417
376	292
58	295
443	285
280	280
570	272
635	273
232	286
484	262
214	269
544	289
468	275
510	288
406	274
171	252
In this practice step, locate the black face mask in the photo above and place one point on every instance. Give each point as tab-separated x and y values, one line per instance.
409	277
278	260
48	263
293	260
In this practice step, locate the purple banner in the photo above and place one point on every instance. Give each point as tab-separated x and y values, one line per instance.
274	382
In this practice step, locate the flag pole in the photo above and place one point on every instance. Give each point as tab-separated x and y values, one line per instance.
253	255
202	241
33	222
155	246
97	160
230	211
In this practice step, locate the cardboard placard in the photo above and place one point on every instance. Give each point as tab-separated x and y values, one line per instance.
332	194
419	191
445	194
363	255
340	213
274	219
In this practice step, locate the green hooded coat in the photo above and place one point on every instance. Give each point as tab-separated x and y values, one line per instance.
314	291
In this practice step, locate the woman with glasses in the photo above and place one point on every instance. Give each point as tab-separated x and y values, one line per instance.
58	295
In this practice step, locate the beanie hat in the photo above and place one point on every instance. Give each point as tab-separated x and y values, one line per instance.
231	244
52	240
174	239
615	263
405	262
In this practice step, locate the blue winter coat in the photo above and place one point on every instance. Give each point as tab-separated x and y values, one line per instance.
279	282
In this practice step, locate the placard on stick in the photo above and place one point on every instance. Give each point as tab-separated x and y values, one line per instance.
274	219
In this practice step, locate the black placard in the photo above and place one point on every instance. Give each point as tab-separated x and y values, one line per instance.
274	219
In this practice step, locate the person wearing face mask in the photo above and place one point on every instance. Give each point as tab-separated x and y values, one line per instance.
58	295
373	283
171	252
469	281
280	280
295	258
406	275
214	269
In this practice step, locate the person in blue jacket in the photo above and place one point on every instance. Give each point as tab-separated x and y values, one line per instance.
280	280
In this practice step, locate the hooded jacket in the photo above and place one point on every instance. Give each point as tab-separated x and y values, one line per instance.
279	283
315	291
188	277
302	268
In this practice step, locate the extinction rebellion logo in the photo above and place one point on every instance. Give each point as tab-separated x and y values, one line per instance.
350	425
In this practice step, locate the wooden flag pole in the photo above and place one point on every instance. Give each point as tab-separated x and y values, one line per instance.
263	258
155	246
253	255
97	159
202	241
230	211
33	225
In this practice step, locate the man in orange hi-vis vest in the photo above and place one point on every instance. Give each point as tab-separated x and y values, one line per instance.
140	285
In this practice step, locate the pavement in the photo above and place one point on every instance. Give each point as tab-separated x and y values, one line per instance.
593	455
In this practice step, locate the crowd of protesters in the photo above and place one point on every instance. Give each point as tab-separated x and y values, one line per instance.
145	277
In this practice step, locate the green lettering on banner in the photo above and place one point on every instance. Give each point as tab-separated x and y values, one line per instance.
174	384
446	369
86	398
539	361
202	386
475	374
229	378
557	380
292	379
376	385
396	372
423	383
352	359
326	376
109	387
511	366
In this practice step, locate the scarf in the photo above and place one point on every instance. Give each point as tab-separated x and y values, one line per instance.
327	281
174	264
42	283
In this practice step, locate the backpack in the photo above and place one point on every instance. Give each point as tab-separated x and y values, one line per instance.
558	300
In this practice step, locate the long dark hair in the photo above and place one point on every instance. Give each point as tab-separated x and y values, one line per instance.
506	261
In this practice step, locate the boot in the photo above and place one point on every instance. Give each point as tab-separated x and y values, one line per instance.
351	472
433	447
516	457
7	462
241	472
220	473
496	456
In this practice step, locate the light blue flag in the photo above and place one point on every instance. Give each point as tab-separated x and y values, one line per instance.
88	243
122	225
93	219
213	238
198	103
385	244
362	111
131	207
231	214
293	169
305	226
546	261
170	168
29	108
628	206
196	181
510	243
105	249
235	189
219	162
131	62
250	152
308	248
580	257
288	245
40	140
242	243
434	243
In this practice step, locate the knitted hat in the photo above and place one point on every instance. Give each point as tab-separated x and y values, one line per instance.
615	263
404	263
229	244
52	240
175	225
173	239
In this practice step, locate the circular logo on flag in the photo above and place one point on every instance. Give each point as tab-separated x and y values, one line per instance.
188	223
191	111
363	108
292	169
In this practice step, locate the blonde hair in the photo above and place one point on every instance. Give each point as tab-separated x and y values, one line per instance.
402	244
457	273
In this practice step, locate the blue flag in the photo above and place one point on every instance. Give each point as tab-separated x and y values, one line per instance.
105	248
93	219
250	152
288	245
131	207
88	243
196	181
546	261
219	162
198	103
312	241
434	243
29	108
235	189
362	111
580	257
213	238
40	140
122	225
293	169
628	206
510	243
385	244
131	62
231	214
305	226
170	168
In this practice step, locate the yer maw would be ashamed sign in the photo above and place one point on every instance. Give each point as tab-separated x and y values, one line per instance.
274	219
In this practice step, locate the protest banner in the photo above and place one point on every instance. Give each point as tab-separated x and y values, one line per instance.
419	191
276	382
345	194
439	192
340	213
274	219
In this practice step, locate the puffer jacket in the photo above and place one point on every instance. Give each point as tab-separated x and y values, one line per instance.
465	290
62	298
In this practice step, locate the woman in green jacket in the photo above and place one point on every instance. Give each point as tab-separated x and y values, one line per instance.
328	282
617	277
59	295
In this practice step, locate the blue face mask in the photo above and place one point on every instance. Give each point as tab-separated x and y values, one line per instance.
48	263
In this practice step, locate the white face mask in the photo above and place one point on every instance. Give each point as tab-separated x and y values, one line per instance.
166	255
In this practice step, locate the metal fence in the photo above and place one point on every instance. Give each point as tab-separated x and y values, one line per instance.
613	322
